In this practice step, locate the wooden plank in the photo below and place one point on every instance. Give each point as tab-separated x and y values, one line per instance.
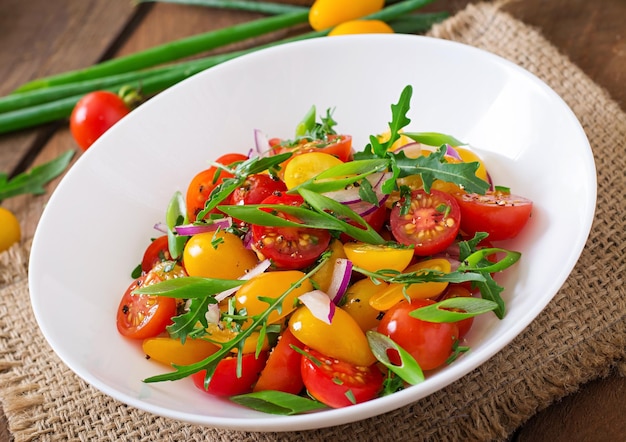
42	37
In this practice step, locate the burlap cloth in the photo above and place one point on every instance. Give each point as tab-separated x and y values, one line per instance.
581	335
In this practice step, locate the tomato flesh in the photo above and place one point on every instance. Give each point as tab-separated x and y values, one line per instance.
94	114
143	316
204	182
431	223
282	370
256	188
501	215
338	383
289	247
157	251
429	343
225	381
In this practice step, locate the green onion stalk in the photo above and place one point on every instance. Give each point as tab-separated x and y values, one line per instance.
53	98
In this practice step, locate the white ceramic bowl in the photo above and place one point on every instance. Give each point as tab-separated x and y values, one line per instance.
98	221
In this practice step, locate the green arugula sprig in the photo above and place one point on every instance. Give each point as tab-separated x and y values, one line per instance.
240	172
199	310
34	180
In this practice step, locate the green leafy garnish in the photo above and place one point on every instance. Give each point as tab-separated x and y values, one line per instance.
277	402
409	370
441	311
433	138
33	181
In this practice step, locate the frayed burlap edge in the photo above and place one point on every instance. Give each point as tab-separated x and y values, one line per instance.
579	336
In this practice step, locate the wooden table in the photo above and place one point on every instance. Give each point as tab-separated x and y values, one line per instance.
42	37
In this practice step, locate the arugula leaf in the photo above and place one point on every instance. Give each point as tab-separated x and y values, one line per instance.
434	166
398	121
33	181
277	402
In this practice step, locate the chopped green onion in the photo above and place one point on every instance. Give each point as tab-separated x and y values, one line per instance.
242	5
440	311
409	370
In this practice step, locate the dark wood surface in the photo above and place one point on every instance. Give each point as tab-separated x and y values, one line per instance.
42	37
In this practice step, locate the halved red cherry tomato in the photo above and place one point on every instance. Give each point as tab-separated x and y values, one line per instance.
143	316
339	146
431	223
157	251
429	343
501	215
289	247
204	182
256	188
338	383
94	114
225	381
282	370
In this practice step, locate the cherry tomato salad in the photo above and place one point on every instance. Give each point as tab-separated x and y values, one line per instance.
306	275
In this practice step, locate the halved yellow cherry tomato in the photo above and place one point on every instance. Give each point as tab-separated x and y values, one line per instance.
324	275
217	255
378	257
357	302
220	333
271	285
395	293
307	165
325	14
342	339
361	27
10	231
172	351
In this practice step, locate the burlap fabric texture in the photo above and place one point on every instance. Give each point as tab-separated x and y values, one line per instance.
581	334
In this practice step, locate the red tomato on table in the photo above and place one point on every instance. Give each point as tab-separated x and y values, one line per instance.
94	114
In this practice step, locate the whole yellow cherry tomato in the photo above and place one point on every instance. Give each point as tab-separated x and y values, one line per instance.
395	293
172	351
361	27
342	339
357	303
325	14
378	257
271	285
217	255
10	231
324	275
307	165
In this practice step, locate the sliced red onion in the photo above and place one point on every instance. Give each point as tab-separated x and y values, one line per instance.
490	181
452	152
161	227
342	273
261	143
194	229
411	150
350	196
254	271
319	304
212	314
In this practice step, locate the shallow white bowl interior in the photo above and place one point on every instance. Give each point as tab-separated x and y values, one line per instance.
99	220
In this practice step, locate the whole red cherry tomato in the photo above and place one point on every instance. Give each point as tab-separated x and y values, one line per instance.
94	114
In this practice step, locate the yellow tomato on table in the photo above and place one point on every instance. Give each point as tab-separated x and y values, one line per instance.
325	14
10	231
